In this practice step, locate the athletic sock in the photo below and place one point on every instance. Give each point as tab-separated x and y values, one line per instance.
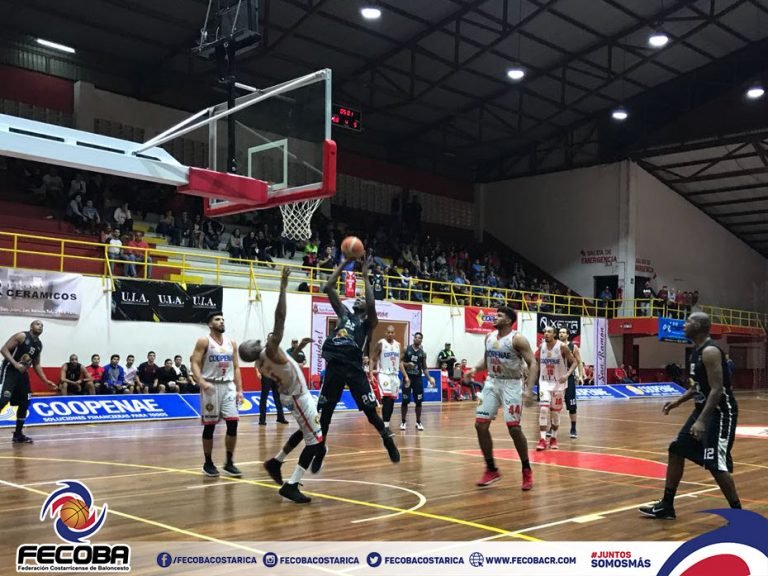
19	427
669	496
553	434
490	464
229	457
281	456
208	459
527	465
735	504
543	434
297	475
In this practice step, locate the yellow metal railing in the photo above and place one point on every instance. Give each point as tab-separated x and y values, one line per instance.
253	275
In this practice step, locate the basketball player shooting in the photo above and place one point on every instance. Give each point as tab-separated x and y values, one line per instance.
557	363
273	362
21	351
707	436
343	352
505	352
216	369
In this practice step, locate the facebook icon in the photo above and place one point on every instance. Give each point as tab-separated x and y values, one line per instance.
163	559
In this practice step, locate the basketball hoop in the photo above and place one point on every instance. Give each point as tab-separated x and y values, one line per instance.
297	217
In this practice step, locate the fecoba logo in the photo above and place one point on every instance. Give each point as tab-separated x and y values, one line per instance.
75	520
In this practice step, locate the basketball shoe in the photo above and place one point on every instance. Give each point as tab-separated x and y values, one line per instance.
527	479
489	477
231	470
273	468
389	443
553	444
660	510
210	470
292	493
542	445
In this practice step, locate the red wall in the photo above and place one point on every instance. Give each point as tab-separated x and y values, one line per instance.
370	169
37	89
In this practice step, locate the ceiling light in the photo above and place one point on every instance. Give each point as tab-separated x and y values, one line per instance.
620	114
658	39
370	12
755	91
515	73
55	46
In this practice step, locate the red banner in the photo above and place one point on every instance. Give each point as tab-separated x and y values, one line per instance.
480	320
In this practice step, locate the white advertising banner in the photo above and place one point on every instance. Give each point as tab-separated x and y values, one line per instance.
40	294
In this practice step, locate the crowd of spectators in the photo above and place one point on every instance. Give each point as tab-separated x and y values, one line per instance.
116	378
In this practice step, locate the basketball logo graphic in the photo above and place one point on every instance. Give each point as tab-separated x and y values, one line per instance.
737	549
72	507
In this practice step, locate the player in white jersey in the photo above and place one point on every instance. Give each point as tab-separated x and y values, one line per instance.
505	351
216	370
554	361
387	363
285	371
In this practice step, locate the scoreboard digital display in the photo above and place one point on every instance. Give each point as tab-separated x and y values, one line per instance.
346	117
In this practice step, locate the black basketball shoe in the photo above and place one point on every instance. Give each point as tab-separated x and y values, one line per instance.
660	510
273	466
210	470
317	461
292	493
389	444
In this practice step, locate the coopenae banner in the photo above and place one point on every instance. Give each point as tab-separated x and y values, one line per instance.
165	301
39	294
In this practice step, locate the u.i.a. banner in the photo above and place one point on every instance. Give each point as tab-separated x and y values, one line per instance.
165	301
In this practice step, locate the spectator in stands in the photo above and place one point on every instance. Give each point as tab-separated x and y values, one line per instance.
74	213
183	230
661	301
140	250
95	370
77	186
182	377
128	256
165	378
130	380
250	248
235	245
379	283
648	296
74	378
632	374
115	250
92	218
166	226
105	233
123	218
212	231
296	351
146	374
310	251
264	249
113	381
53	189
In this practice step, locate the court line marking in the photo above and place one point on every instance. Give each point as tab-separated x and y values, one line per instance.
459	453
167	527
95	478
603	513
419	495
438	517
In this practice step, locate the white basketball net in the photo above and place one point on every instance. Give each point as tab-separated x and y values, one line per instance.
297	218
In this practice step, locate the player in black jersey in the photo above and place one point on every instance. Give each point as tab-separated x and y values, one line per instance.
343	352
570	392
415	362
20	352
74	378
707	436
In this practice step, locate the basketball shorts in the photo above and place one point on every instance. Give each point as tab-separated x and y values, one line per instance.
415	389
504	394
304	410
551	394
221	404
570	395
14	386
340	374
713	451
389	384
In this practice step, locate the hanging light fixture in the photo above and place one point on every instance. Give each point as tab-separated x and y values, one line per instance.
370	12
620	114
515	73
658	39
755	91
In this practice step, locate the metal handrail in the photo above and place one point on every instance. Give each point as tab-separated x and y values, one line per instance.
256	275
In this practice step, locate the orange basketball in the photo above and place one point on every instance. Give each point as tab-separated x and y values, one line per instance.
74	513
352	247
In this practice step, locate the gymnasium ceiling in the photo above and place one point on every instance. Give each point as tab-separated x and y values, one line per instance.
430	79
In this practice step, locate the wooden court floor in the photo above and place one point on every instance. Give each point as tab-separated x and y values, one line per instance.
149	474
